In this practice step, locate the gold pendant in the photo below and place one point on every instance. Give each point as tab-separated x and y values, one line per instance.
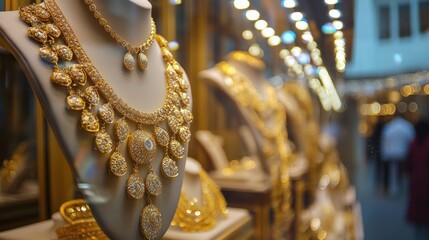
151	222
173	124
59	77
106	113
121	130
89	121
184	134
52	30
142	61
103	142
169	167
142	147
37	34
187	115
64	52
135	186
75	102
153	184
91	95
176	149
161	136
129	61
48	55
117	164
77	74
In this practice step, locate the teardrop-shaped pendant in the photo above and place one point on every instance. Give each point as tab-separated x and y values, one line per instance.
59	77
75	102
121	130
135	186
176	149
151	222
161	136
64	52
103	141
142	61
153	184
169	167
91	95
52	30
48	55
89	121
117	164
106	113
129	61
77	74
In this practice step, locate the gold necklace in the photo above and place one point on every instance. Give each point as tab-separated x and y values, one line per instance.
252	61
194	216
129	60
46	25
245	94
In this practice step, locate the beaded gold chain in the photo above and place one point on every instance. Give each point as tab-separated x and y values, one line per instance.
197	216
245	94
98	105
129	61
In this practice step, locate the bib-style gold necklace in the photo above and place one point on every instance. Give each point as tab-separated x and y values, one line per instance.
100	107
129	60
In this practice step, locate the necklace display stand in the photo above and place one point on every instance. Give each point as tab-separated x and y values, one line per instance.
117	215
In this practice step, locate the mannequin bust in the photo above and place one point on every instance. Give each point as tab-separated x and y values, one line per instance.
215	79
117	215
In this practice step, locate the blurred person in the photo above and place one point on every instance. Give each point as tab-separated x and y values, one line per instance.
417	166
396	137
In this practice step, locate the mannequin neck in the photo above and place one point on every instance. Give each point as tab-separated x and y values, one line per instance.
255	76
130	19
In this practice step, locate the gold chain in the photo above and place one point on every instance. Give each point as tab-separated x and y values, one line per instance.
98	113
275	139
194	216
129	60
252	61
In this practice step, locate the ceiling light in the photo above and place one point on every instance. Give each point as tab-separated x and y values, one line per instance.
288	3
288	37
261	24
334	13
247	34
338	24
252	15
274	40
301	25
331	2
241	4
267	32
296	16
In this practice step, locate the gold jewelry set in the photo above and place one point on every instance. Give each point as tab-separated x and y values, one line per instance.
250	60
129	60
195	216
80	222
275	136
97	103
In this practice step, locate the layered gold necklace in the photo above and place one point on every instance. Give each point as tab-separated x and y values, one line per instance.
197	216
100	108
275	136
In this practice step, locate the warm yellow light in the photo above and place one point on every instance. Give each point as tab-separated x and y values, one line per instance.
296	16
241	4
261	24
301	25
315	224
175	2
338	34
256	50
173	45
311	45
252	15
289	3
296	51
338	24
331	2
426	89
274	40
267	32
406	91
340	42
306	36
247	34
284	53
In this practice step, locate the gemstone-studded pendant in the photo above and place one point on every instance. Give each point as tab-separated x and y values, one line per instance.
142	61
117	164
166	54
37	34
52	30
89	121
187	115
176	149
169	167
75	102
121	130
48	55
151	222
103	142
175	98
64	52
183	84
186	100
184	134
91	95
142	147
129	61
41	13
106	113
177	68
135	186
153	184
59	77
173	124
161	136
77	74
